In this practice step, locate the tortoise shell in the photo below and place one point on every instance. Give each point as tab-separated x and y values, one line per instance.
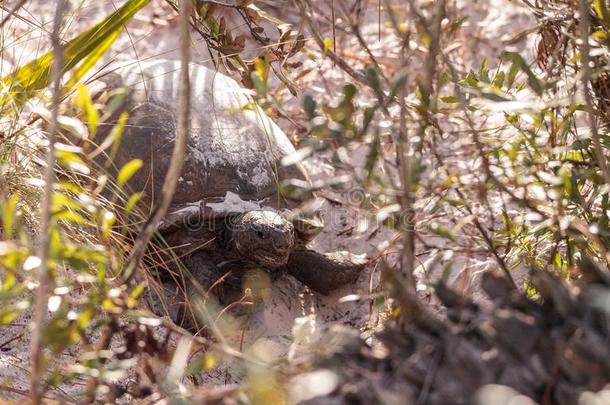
232	161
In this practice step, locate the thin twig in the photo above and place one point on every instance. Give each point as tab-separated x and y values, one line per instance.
379	20
406	154
490	177
358	34
103	343
6	343
585	77
332	12
405	164
12	12
320	42
14	390
177	160
40	303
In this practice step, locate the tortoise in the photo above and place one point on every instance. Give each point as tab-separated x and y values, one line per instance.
228	210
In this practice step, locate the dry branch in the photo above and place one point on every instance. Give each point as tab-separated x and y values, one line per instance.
40	302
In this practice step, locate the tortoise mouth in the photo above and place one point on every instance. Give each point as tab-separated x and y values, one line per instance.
268	258
271	259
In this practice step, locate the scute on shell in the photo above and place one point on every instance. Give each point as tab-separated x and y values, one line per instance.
234	148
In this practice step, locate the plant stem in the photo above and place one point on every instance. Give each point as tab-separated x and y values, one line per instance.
175	166
40	300
585	77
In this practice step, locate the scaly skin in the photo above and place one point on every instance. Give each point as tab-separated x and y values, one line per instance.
326	272
266	240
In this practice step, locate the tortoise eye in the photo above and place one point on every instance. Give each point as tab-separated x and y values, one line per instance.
260	234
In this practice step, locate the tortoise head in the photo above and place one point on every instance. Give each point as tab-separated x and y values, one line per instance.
263	237
306	220
307	229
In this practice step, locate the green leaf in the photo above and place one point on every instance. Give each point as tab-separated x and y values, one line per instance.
113	139
260	76
86	104
128	170
472	80
36	75
108	220
71	161
498	79
137	291
373	156
512	75
6	317
92	59
450	99
70	216
309	106
484	72
263	14
520	64
61	202
328	44
372	77
425	40
369	114
349	90
456	25
442	231
131	203
205	361
9	213
601	8
398	82
84	319
80	257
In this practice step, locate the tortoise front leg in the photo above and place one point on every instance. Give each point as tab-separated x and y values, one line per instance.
197	283
325	272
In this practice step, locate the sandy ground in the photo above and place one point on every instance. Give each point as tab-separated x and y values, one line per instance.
489	24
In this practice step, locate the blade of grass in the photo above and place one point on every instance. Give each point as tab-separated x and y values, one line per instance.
26	80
